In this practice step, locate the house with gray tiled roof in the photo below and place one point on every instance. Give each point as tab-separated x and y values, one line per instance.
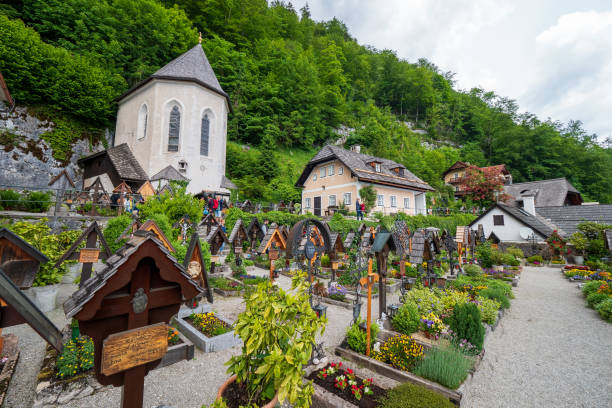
547	193
334	176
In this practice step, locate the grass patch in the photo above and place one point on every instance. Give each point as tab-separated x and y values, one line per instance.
445	366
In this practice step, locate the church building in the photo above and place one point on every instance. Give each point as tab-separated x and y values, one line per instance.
178	117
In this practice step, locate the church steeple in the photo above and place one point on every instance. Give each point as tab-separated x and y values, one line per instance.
191	66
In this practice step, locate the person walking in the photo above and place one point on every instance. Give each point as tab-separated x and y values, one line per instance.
358	209
363	210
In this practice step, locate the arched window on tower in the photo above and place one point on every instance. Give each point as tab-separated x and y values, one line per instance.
174	128
143	117
204	135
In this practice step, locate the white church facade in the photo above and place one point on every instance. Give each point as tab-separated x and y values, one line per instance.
178	117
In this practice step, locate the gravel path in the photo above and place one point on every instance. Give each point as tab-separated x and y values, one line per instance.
187	384
549	350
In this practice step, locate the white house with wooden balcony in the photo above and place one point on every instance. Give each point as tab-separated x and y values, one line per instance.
334	176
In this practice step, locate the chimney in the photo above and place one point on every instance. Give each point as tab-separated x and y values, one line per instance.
529	204
356	148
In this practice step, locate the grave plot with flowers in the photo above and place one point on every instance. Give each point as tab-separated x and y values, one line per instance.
208	331
436	336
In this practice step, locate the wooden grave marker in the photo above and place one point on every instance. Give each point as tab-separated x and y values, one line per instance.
255	233
369	281
96	249
141	285
273	243
19	260
383	244
195	266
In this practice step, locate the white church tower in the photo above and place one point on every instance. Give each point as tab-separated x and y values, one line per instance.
178	117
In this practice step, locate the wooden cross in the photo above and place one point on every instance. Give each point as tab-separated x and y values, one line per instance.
369	281
88	255
143	286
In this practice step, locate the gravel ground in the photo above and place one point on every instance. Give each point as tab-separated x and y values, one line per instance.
187	384
549	350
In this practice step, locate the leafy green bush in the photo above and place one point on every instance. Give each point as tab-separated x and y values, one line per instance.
484	253
515	252
445	366
77	357
496	257
426	300
535	258
496	294
508	259
489	309
407	318
113	230
465	322
356	337
9	199
596	298
605	309
472	270
325	261
590	287
408	395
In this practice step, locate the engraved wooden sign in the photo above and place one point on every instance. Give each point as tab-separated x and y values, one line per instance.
131	348
89	255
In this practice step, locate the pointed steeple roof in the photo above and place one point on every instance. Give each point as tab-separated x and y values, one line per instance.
192	66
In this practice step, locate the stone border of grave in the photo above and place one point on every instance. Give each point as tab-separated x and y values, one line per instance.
346	305
207	344
11	352
178	352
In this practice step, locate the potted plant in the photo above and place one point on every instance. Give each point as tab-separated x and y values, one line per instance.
580	242
278	329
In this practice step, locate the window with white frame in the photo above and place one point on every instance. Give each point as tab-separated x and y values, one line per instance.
322	172
377	167
330	170
340	170
406	202
143	117
314	177
347	198
331	200
393	201
380	200
307	203
174	129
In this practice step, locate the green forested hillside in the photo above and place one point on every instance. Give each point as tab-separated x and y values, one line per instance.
292	83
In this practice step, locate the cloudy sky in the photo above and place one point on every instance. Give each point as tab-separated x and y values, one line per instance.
553	56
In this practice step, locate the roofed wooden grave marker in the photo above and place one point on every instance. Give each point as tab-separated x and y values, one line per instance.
142	285
88	255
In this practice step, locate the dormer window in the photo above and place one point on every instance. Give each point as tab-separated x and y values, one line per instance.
399	171
377	167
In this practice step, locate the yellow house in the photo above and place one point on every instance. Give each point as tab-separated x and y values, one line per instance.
335	175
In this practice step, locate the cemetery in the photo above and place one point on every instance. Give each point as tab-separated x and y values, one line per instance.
340	313
355	259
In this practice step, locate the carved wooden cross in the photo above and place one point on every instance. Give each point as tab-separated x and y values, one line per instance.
88	255
369	281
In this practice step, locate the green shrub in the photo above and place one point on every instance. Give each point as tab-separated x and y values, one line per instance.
515	252
356	337
113	230
407	318
496	294
605	309
489	309
484	254
596	298
508	259
590	287
426	300
472	270
325	261
535	258
9	200
445	366
465	323
496	257
409	395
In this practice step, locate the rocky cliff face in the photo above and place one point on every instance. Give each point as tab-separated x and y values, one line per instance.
26	161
